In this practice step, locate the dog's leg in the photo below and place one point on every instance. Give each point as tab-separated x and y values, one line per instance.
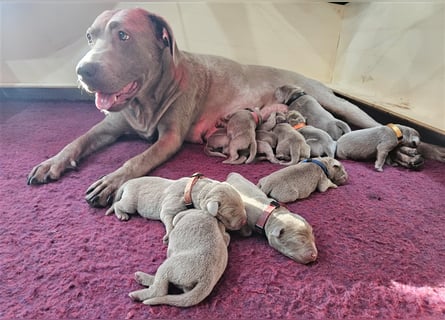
100	193
324	184
102	134
143	278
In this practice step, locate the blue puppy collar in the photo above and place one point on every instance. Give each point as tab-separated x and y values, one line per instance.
318	163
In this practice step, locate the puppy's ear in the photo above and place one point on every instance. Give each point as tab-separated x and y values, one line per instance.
163	33
212	207
277	232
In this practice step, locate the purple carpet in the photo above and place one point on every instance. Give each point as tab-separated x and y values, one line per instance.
380	238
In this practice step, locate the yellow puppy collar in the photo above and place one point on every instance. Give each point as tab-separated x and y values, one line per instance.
397	131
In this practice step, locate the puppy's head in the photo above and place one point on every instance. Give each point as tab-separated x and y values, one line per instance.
284	93
411	138
294	117
337	172
291	235
225	203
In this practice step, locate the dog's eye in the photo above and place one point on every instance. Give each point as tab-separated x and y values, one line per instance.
123	36
89	38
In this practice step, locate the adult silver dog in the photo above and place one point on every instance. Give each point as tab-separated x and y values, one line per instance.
150	88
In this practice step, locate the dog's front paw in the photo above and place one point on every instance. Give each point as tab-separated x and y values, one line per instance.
101	193
49	170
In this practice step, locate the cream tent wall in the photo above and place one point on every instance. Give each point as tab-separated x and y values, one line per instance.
388	53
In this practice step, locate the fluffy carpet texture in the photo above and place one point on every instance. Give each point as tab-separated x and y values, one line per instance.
380	237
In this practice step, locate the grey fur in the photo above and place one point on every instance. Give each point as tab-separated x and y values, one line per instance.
287	232
161	199
374	143
300	180
196	259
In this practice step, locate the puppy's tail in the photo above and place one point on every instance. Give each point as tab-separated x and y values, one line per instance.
253	151
187	299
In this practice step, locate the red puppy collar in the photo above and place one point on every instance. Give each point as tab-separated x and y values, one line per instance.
188	189
261	222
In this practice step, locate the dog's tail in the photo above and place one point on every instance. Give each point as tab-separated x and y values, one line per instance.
253	150
190	298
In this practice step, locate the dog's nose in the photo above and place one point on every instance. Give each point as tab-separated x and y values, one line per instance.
87	70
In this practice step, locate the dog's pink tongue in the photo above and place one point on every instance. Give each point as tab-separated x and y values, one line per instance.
104	101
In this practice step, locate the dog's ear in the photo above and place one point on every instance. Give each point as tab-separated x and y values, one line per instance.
164	33
212	207
277	232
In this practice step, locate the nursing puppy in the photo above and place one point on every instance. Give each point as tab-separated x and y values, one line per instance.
240	127
376	143
320	141
296	98
286	232
266	143
300	180
217	144
291	145
196	259
161	199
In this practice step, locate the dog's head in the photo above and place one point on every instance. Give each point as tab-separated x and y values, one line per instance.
224	202
291	235
337	172
411	138
127	48
284	93
294	117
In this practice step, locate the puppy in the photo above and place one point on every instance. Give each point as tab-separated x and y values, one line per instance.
291	145
266	143
286	232
321	142
196	259
241	126
300	180
161	199
315	114
217	144
376	143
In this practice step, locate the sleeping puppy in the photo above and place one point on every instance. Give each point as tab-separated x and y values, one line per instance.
321	143
376	143
196	259
161	199
291	145
240	127
300	180
288	233
315	114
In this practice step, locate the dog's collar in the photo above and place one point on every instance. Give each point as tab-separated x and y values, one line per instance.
256	117
300	125
397	131
188	189
318	163
294	97
261	222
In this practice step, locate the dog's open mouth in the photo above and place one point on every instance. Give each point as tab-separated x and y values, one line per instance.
105	101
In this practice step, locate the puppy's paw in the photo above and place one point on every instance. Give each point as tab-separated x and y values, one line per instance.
143	278
122	216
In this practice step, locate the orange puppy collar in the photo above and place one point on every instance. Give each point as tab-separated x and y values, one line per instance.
397	131
299	125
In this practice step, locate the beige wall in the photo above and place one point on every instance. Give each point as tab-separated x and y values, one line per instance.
389	53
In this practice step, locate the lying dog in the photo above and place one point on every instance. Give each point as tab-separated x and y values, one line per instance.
286	232
297	99
376	143
321	142
291	145
161	199
300	180
240	127
217	144
148	87
196	259
266	143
